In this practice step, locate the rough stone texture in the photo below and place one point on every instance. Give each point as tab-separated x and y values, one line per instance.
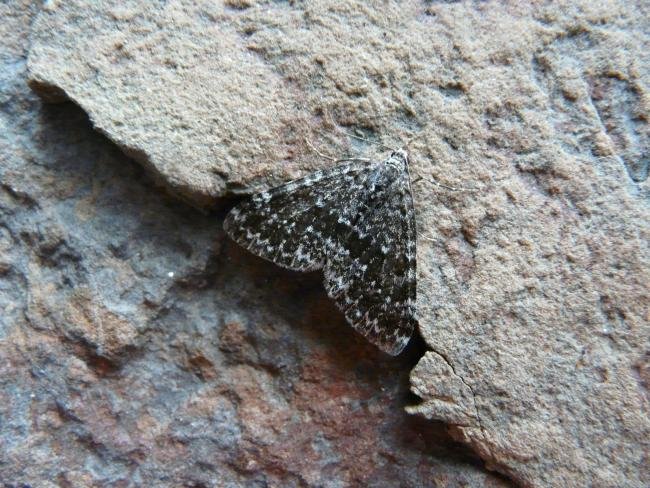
533	290
138	347
169	83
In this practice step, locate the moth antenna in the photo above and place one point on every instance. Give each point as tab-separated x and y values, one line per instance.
446	187
329	119
322	155
332	158
392	149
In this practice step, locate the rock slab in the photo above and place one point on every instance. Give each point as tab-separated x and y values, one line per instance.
533	289
138	347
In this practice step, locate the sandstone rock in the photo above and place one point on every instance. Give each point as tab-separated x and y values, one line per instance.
169	85
139	348
533	290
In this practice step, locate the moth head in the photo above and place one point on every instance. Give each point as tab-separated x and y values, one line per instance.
401	155
399	160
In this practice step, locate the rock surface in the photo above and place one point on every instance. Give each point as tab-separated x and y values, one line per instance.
139	348
533	290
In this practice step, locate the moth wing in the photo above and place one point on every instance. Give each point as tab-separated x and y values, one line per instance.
293	224
372	275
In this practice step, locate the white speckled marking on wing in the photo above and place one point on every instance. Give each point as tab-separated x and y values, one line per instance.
357	222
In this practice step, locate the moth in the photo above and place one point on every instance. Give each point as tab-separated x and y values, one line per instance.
356	222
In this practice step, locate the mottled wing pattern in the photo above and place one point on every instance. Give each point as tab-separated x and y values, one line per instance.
372	276
293	224
357	222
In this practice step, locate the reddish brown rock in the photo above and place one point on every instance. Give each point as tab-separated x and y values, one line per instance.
532	289
138	347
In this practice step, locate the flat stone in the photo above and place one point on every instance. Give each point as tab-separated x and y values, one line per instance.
138	347
533	285
172	85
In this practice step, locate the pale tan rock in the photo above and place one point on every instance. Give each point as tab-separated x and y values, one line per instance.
173	86
444	391
533	290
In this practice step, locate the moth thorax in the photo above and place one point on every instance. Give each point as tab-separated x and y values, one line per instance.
398	160
400	155
383	175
